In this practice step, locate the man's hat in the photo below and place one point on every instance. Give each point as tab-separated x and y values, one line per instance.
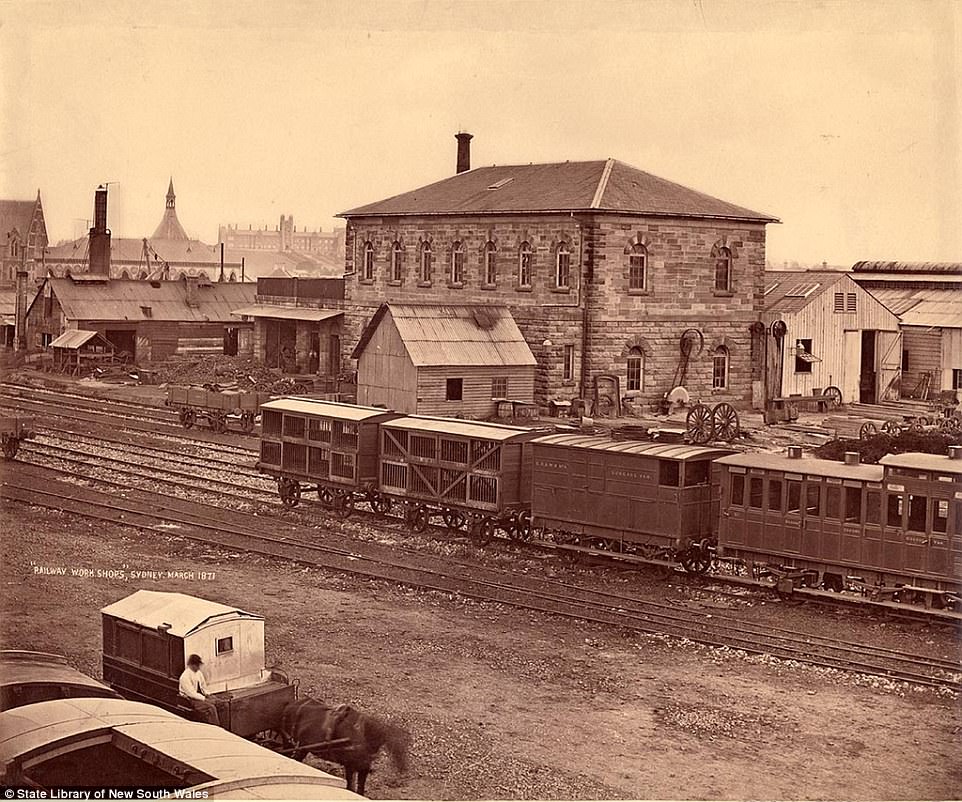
194	660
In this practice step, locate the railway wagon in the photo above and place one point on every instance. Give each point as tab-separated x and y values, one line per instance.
892	530
325	446
29	677
13	430
216	407
148	636
115	743
469	472
655	500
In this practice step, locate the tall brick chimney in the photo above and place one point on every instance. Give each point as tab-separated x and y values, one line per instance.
464	151
99	251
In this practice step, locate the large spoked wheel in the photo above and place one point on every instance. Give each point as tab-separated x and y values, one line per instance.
725	423
697	560
326	497
289	491
891	427
949	424
454	520
833	395
10	447
867	430
418	518
699	422
379	504
247	422
520	526
188	417
343	505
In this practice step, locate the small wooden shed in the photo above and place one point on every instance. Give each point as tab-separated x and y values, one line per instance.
79	350
438	359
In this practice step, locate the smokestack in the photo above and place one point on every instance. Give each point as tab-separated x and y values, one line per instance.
191	295
20	320
99	251
464	151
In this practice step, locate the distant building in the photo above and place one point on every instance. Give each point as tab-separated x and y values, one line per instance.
23	238
927	297
263	251
169	253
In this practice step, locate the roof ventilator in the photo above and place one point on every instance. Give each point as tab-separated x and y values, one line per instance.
794	452
955	452
852	458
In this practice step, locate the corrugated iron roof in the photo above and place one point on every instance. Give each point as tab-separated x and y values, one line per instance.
810	466
127	299
924	462
129	252
455	335
656	450
287	312
908	267
603	185
943	314
926	306
73	338
778	299
479	430
151	608
329	409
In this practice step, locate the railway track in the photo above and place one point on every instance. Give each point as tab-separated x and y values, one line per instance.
216	526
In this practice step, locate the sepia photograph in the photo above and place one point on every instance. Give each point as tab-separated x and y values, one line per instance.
481	399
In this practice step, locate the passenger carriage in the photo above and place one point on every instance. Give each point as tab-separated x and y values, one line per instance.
469	473
13	430
893	529
325	446
148	636
29	677
655	500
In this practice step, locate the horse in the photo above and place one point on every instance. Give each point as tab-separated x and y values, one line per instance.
308	723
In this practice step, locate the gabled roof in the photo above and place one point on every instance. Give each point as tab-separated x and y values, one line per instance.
16	215
129	251
127	299
950	268
153	608
791	290
442	334
923	306
604	185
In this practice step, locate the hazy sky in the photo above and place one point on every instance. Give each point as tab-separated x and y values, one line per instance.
840	118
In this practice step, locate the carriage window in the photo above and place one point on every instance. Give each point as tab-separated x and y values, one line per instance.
833	502
775	495
270	452
812	498
738	489
669	473
454	451
917	505
873	507
271	422
755	492
894	510
224	645
155	652
342	465
794	496
393	475
293	426
853	504
940	514
319	429
128	643
696	473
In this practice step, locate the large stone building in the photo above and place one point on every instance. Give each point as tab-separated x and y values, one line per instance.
604	268
285	250
23	238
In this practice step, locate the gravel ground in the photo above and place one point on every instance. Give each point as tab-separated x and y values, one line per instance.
504	704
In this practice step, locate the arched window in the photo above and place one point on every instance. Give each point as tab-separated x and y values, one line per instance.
396	261
124	273
524	265
636	370
426	261
638	267
563	267
719	368
723	269
368	273
457	263
490	264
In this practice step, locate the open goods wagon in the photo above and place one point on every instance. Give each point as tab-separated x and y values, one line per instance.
13	430
216	407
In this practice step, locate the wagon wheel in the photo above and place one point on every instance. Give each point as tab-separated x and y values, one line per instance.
697	560
454	520
418	518
916	426
925	420
343	505
867	430
834	395
483	530
688	338
326	496
188	417
10	447
299	388
724	421
699	421
521	526
892	427
289	491
379	504
949	424
247	422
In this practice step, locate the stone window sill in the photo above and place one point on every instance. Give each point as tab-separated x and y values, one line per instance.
489	286
561	290
568	383
524	288
723	293
365	281
394	283
456	285
424	283
638	291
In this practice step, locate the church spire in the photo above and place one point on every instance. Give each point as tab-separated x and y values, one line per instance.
170	227
171	197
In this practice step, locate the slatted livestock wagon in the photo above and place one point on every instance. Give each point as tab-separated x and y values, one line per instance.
324	446
148	636
657	501
470	473
13	430
29	677
114	743
217	408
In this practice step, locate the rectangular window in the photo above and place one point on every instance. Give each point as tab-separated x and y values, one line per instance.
696	473
940	514
524	268
833	502
454	390
638	269
396	263
719	369
905	360
851	302
803	354
499	387
957	378
568	371
490	265
563	273
853	505
669	473
775	495
635	372
457	267
873	507
755	492
917	507
293	426
738	489
894	517
813	497
224	645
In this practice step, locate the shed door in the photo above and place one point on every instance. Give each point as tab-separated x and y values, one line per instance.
850	376
889	362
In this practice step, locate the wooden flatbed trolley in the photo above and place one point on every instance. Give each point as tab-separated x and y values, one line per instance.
217	408
13	429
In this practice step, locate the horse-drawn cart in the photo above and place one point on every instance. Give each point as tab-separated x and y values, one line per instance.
13	429
217	408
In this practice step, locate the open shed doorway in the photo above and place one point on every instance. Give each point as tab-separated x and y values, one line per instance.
281	345
123	340
868	377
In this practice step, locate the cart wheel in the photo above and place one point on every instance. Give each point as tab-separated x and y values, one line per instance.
699	421
344	505
891	427
289	491
483	530
834	395
10	447
697	560
326	497
419	518
867	430
916	427
379	504
724	421
454	520
925	420
299	389
247	422
521	526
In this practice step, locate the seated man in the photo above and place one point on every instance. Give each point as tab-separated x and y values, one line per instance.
193	688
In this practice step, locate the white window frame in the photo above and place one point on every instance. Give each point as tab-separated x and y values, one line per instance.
638	252
563	267
635	371
723	357
525	257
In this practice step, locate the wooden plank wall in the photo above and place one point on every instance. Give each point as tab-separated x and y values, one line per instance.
385	373
924	349
476	398
951	355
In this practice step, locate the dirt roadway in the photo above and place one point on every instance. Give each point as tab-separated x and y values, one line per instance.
509	705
